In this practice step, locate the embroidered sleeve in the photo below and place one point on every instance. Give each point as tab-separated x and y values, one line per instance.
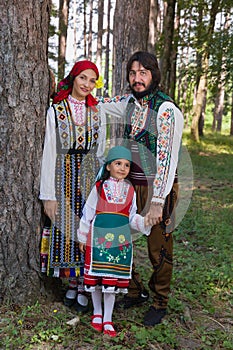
48	164
115	106
170	126
88	215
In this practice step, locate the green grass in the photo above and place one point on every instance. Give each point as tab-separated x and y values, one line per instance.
201	302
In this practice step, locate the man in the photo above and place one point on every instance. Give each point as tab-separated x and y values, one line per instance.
154	129
153	132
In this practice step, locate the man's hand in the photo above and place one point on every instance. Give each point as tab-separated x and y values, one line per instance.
155	214
50	209
82	247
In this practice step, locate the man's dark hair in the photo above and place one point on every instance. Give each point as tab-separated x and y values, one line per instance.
148	61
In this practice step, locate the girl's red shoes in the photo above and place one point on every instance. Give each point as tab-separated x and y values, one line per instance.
97	326
111	333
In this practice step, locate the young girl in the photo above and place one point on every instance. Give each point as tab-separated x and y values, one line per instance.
104	234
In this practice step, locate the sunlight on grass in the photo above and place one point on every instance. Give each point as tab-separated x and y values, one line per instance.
212	143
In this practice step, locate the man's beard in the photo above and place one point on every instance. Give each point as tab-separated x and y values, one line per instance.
140	94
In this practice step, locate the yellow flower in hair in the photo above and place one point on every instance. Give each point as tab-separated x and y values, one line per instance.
99	83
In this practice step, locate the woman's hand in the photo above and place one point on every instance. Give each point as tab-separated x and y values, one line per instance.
82	247
50	209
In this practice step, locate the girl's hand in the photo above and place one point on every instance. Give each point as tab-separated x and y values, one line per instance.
50	209
82	247
155	215
146	220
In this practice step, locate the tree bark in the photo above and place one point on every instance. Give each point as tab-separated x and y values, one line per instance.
100	39
131	30
89	54
85	28
172	83
63	25
200	97
153	33
221	83
75	30
167	52
107	55
24	88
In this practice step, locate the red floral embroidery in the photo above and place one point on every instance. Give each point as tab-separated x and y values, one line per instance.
101	240
108	245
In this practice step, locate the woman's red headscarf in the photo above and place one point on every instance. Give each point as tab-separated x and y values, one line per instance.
65	86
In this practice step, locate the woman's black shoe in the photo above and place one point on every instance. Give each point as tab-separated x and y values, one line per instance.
81	308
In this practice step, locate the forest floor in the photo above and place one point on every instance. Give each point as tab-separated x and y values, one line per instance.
200	310
189	325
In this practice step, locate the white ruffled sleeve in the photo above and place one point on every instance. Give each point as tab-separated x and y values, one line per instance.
88	214
136	221
48	164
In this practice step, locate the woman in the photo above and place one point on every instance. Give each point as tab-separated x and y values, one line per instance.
74	145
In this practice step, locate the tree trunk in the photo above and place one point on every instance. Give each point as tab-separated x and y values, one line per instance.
89	56
131	30
107	58
167	52
220	95
172	83
201	120
219	106
75	30
24	88
85	28
200	96
184	83
153	34
100	39
202	78
63	25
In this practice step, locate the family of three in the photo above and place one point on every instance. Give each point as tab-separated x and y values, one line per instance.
87	232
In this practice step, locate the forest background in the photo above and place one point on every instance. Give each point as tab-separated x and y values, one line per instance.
193	42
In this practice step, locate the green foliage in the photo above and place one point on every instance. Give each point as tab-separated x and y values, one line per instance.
200	34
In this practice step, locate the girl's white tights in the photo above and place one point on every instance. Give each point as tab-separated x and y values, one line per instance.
109	301
97	304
